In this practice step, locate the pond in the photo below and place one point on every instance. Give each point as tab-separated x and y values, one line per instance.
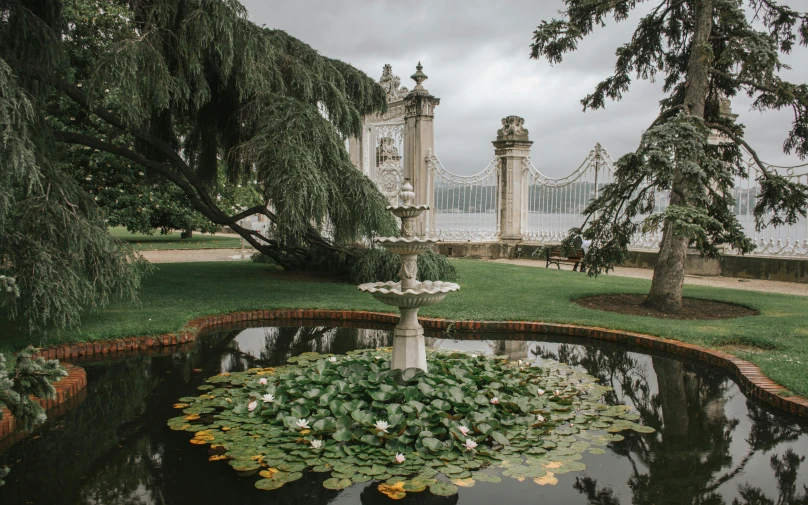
711	445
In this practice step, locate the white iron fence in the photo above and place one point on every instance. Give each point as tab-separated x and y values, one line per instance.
464	207
467	207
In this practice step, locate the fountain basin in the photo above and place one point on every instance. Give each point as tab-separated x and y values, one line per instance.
407	211
406	246
423	294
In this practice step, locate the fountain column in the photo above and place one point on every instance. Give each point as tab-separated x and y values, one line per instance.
408	294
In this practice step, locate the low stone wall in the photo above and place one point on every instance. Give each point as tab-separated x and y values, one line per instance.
772	268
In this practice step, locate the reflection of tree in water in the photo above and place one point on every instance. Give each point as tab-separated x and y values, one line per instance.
284	342
140	483
689	456
786	469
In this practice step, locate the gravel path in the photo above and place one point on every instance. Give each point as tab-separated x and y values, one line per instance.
195	255
788	288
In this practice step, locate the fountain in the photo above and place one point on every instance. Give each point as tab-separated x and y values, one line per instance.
408	294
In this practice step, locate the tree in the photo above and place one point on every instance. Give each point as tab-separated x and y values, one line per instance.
183	91
706	50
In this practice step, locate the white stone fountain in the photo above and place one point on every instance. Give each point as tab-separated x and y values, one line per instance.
408	294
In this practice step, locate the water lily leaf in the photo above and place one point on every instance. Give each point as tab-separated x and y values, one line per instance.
639	428
441	404
433	444
425	389
342	435
336	484
415	485
269	484
359	478
443	489
485	428
395	491
596	450
467	482
500	438
486	477
547	480
410	374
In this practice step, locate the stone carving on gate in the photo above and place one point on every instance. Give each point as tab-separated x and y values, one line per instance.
512	129
389	169
392	84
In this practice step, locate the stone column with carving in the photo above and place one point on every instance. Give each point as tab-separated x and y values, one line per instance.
419	141
512	148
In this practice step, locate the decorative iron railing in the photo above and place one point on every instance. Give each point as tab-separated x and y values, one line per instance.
464	207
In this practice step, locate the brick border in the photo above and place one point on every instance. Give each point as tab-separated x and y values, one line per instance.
71	387
748	375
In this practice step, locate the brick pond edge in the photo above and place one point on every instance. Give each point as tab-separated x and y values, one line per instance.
748	375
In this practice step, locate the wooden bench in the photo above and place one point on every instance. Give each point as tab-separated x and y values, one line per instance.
554	257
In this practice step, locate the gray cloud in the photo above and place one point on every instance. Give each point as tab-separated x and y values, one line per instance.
476	55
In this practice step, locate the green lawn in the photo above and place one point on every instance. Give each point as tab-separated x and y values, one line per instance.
176	293
156	242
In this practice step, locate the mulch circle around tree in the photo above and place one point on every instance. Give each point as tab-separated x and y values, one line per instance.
692	308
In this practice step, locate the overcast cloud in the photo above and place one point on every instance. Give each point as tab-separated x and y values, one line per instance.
475	53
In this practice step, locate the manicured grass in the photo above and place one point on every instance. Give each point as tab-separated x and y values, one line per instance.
178	292
156	242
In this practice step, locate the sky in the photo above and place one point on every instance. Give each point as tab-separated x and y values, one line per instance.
476	54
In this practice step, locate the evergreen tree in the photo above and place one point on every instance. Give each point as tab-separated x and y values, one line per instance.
185	91
705	51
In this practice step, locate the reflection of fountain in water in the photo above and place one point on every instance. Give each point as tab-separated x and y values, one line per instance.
513	349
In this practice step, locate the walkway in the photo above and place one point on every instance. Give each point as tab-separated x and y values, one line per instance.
787	288
195	255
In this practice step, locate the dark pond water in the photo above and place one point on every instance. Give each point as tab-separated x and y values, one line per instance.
712	445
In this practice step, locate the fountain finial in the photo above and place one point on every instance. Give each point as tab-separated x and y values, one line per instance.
407	194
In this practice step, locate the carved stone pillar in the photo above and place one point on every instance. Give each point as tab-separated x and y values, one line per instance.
419	140
512	148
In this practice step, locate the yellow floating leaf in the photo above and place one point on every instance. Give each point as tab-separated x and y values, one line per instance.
216	446
192	417
305	432
268	473
469	482
257	457
225	428
394	492
199	441
552	464
217	457
180	405
521	478
548	479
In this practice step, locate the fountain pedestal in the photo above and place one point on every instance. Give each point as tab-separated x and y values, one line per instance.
408	294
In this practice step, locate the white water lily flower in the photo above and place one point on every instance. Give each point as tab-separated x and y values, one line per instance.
262	381
473	356
400	458
464	429
540	418
316	444
252	406
378	357
332	359
303	424
382	426
541	392
557	392
495	400
268	398
470	444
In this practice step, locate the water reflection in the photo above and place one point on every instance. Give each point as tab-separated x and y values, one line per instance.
712	445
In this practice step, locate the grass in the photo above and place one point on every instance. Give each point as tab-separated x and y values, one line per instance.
777	339
157	242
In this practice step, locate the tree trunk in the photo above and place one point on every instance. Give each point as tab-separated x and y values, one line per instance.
669	273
